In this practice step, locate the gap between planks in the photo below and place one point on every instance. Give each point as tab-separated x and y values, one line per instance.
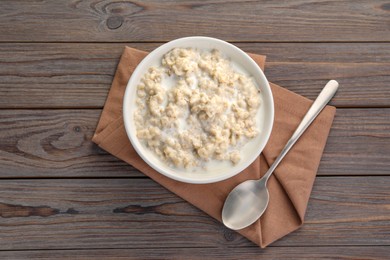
189	247
135	42
146	177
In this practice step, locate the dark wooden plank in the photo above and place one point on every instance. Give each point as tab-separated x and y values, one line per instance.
53	143
57	143
308	253
96	20
138	213
358	143
80	75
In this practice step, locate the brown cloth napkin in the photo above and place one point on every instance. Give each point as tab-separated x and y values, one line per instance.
289	187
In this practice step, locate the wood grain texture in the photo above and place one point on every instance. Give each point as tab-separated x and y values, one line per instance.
358	143
43	75
108	20
53	143
138	213
276	253
62	197
57	143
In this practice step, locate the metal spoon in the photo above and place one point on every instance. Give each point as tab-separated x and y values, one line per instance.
248	200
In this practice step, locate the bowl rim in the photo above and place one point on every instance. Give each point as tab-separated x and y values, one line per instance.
131	133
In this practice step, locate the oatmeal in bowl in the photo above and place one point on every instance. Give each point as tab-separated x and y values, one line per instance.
198	110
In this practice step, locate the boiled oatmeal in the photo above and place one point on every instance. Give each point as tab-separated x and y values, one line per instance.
195	107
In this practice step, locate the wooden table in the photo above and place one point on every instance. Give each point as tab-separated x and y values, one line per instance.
63	197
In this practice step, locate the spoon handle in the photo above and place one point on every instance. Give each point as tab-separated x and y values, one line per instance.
323	98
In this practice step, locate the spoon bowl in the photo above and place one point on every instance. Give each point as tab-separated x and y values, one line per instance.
247	205
248	200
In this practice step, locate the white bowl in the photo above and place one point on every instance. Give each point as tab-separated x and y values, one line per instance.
249	152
